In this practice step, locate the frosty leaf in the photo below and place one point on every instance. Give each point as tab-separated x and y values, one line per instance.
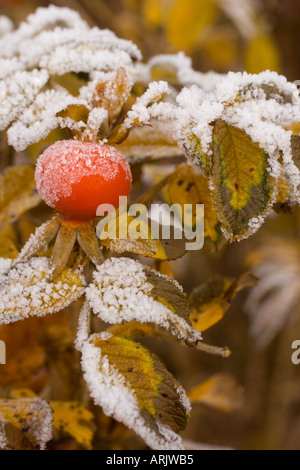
212	300
140	113
142	295
163	248
74	419
150	143
17	93
39	240
25	424
17	193
221	392
39	119
243	187
26	291
134	387
188	186
113	93
177	69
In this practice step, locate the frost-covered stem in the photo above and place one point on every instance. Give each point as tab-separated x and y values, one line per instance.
84	326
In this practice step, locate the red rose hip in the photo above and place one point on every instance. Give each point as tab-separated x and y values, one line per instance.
76	177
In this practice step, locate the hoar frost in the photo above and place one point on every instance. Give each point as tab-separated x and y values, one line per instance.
116	297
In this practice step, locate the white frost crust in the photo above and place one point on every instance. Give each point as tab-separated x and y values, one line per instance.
109	390
120	292
25	291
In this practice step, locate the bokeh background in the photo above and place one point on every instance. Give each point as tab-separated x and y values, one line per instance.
225	35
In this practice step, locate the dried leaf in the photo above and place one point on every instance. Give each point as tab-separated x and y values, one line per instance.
188	186
7	246
75	420
221	392
243	187
132	330
62	362
134	387
170	247
212	300
25	423
113	93
17	193
27	361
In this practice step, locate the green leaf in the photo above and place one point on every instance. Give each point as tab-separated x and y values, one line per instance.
243	186
133	386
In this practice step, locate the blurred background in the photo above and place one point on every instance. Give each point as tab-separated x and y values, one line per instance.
227	35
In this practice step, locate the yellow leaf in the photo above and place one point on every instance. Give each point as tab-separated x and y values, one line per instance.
155	406
295	128
187	20
243	185
188	186
17	193
212	300
169	248
262	54
25	423
22	393
131	330
221	50
163	267
27	362
221	392
152	11
75	420
7	246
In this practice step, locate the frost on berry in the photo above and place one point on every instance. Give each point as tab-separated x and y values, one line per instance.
76	177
